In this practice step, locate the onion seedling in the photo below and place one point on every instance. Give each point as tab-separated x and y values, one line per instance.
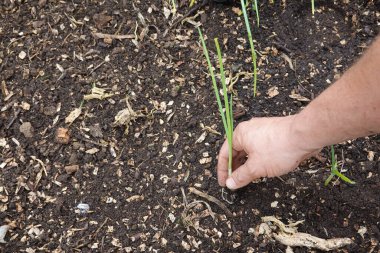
226	113
256	9
253	52
335	171
312	7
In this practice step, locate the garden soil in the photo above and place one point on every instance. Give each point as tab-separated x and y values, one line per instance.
108	123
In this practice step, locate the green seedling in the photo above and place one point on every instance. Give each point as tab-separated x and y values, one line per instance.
226	113
255	7
335	171
253	52
312	7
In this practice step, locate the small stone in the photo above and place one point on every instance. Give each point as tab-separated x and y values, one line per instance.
22	55
83	208
274	204
71	169
27	129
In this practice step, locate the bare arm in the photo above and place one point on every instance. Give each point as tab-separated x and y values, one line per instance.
350	108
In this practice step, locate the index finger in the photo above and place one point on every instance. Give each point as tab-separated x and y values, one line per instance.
222	169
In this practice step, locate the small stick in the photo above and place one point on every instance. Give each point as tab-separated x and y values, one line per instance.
113	36
13	119
190	12
212	199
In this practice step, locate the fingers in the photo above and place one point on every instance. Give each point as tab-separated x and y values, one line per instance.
222	169
237	154
243	175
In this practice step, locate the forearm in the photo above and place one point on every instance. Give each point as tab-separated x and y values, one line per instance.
350	108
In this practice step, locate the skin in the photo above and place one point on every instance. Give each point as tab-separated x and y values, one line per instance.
269	147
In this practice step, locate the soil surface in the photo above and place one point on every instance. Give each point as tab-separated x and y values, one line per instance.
128	125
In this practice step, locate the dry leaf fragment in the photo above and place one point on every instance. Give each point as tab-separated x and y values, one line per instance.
272	92
97	93
135	198
201	138
237	11
288	60
4	89
92	151
101	20
371	155
113	36
125	116
362	230
167	12
298	97
73	115
62	135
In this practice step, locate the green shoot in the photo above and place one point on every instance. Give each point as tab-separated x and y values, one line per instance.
226	112
335	171
227	107
312	7
253	52
192	2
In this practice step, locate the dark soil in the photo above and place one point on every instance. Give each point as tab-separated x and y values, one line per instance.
135	184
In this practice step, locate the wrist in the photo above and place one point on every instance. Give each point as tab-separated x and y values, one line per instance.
302	136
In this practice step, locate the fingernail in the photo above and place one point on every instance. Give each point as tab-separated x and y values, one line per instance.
230	183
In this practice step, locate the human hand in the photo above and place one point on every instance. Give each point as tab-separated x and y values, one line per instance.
271	145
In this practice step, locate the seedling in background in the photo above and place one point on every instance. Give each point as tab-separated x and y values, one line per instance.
335	171
253	52
256	9
226	113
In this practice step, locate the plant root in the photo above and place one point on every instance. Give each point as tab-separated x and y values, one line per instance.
228	196
190	220
288	236
212	199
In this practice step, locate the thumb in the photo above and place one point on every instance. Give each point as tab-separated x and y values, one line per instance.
242	176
